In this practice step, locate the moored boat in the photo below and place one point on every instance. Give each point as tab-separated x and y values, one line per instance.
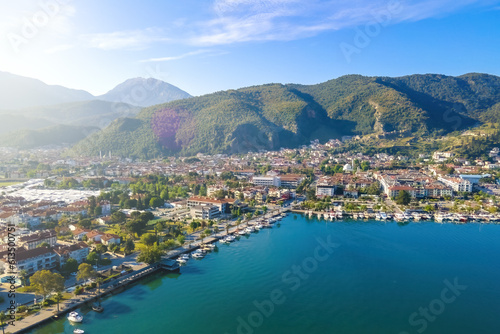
75	317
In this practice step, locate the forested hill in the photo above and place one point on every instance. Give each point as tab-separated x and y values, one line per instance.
274	115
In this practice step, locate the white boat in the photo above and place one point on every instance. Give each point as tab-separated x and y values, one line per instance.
78	331
377	216
242	232
75	317
383	215
250	229
230	238
258	226
198	255
181	261
224	240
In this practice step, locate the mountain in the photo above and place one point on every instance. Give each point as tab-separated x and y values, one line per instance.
86	113
144	92
53	135
17	122
275	115
21	92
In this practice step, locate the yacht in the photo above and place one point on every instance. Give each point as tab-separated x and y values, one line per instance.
258	226
75	317
242	232
198	255
230	238
250	229
383	215
78	331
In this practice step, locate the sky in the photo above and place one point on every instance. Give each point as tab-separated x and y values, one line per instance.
212	45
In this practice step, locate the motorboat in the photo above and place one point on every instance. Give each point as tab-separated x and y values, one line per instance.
198	255
75	317
242	232
180	260
97	308
78	331
230	238
258	226
250	229
383	215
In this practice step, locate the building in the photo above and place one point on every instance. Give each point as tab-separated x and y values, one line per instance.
268	181
205	212
393	191
34	259
325	187
456	183
78	251
109	239
222	204
32	241
291	180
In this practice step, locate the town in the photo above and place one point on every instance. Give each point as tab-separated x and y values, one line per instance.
94	220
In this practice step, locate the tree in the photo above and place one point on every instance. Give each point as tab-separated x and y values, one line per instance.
118	217
156	202
85	223
23	276
85	272
310	194
148	239
150	255
181	239
70	266
93	257
58	297
46	282
3	317
101	249
129	246
403	198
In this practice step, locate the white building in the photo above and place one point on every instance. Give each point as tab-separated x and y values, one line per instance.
204	212
267	181
456	183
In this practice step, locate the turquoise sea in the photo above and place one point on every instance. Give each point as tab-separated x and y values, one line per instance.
313	276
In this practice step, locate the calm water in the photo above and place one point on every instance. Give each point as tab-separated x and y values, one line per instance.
373	279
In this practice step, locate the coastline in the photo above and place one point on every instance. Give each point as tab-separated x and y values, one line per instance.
167	265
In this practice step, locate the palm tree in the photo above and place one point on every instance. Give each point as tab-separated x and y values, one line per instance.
58	297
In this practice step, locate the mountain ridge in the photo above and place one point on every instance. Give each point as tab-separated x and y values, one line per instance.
271	116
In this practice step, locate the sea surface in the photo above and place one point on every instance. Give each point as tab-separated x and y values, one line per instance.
314	276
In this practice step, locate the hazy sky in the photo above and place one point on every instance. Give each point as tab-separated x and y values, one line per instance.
204	46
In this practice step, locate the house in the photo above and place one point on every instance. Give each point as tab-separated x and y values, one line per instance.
78	251
79	233
95	235
109	239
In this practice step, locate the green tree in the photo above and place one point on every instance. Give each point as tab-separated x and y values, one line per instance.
403	198
129	246
85	272
93	257
58	297
118	217
148	239
150	255
70	266
3	317
156	202
46	282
